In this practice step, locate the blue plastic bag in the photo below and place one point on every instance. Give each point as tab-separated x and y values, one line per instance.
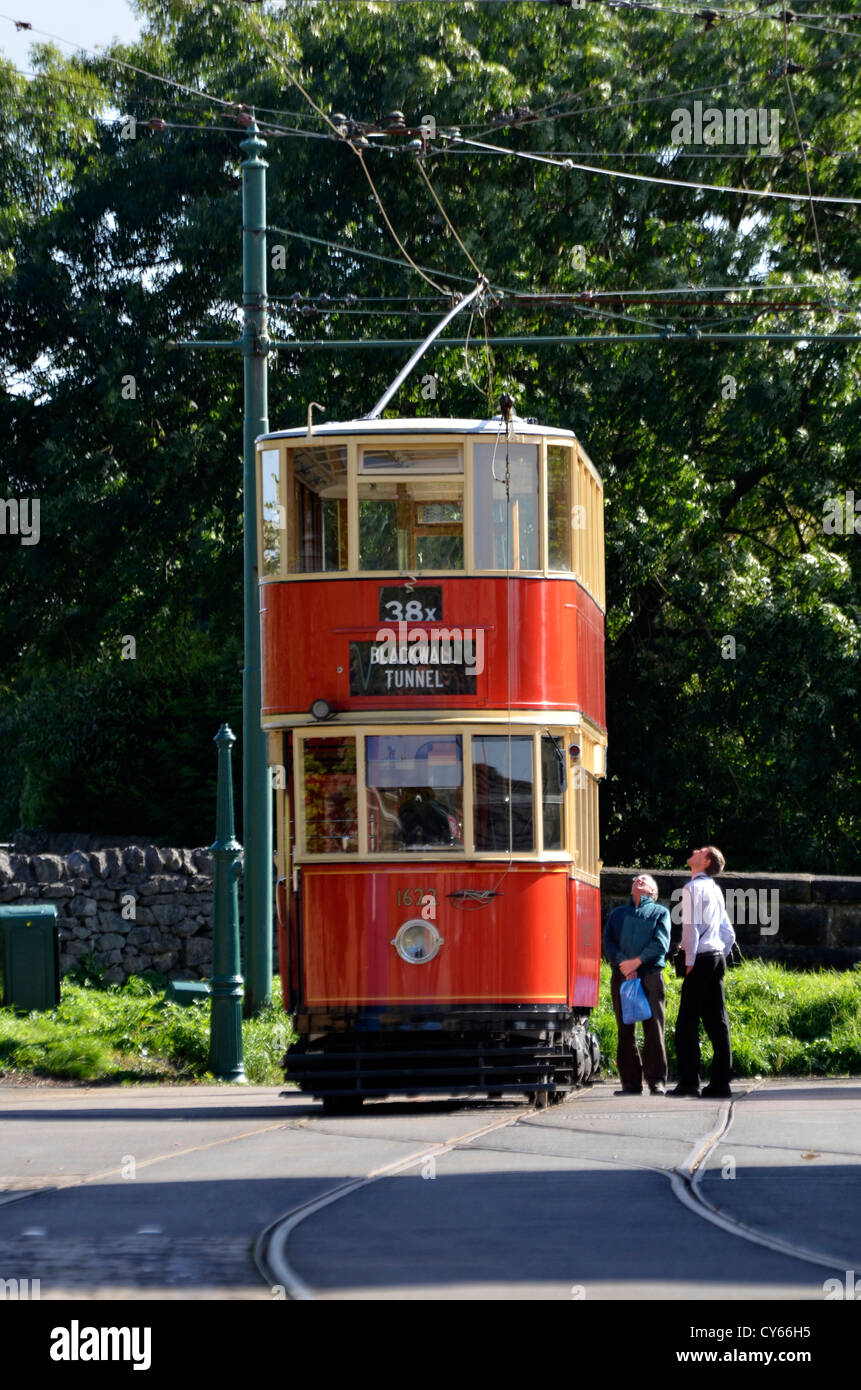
635	1005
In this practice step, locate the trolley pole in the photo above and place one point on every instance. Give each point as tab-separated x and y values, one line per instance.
256	794
225	1028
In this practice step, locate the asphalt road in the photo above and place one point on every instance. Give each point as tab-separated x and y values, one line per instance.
239	1192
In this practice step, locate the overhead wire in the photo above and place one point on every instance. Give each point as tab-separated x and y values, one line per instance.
224	103
668	183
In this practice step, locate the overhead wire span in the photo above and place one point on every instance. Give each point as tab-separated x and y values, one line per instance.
667	183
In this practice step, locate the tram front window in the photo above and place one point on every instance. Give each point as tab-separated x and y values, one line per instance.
411	523
506	525
415	792
502	792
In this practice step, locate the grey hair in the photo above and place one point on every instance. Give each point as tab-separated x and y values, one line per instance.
653	887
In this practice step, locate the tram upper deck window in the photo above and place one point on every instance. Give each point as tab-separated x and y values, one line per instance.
427	459
317	509
560	515
410	509
415	792
273	516
506	527
331	807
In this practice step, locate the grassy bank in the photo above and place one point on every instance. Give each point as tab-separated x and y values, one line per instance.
783	1023
129	1033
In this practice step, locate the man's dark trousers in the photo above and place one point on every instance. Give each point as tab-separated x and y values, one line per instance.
653	1064
703	999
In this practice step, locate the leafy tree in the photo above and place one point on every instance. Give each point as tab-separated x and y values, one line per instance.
719	460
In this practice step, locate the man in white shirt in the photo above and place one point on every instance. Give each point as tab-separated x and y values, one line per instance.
707	939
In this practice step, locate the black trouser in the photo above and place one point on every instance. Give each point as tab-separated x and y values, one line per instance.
703	1000
653	1063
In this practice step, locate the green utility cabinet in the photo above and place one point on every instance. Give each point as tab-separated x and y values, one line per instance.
29	956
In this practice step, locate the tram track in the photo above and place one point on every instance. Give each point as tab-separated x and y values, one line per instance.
270	1249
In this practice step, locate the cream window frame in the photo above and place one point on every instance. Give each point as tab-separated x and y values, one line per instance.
359	732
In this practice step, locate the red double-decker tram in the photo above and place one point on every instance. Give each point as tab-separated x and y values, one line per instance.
432	609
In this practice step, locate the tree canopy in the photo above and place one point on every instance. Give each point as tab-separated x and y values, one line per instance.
734	618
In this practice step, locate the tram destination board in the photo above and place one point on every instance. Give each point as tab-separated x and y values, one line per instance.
417	661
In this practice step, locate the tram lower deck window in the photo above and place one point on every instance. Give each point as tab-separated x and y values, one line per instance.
415	792
502	792
331	806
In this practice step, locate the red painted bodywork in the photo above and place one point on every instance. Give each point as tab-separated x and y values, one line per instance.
537	942
554	630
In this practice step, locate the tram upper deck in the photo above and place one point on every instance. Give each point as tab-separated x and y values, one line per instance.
447	531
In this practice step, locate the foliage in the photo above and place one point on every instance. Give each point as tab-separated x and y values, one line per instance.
131	1033
718	459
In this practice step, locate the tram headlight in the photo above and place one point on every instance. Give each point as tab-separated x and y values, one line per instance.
321	709
417	941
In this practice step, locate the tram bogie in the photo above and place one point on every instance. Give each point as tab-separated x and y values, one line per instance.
432	636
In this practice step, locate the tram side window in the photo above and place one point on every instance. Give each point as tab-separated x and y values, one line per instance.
415	792
585	821
270	560
560	515
317	510
411	524
506	528
331	810
502	792
553	791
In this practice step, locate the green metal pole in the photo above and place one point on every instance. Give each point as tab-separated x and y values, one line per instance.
257	797
225	1030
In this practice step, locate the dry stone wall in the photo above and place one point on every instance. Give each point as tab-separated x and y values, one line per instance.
124	910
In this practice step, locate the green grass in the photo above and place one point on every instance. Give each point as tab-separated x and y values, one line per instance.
782	1022
129	1033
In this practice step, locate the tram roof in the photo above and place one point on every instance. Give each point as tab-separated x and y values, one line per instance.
424	425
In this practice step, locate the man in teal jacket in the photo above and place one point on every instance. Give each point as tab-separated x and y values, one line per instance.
636	941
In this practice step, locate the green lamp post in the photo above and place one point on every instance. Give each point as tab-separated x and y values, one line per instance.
225	1035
